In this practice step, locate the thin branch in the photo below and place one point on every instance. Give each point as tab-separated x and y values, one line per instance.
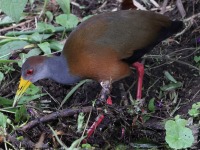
15	26
172	59
54	116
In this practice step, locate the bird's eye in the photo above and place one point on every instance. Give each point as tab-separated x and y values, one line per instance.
29	72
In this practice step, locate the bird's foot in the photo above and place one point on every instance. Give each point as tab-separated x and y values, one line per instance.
106	87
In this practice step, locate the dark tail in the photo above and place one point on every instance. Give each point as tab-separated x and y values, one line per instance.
175	27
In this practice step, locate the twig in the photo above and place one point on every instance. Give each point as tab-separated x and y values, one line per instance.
195	95
184	49
55	100
168	8
189	22
44	8
180	50
154	3
163	9
175	109
185	63
171	59
157	66
55	115
26	143
147	93
138	5
180	7
192	17
15	26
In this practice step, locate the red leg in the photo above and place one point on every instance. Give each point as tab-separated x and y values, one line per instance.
140	70
99	119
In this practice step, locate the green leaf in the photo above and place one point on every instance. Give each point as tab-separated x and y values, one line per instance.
33	52
32	93
87	146
21	114
13	8
121	147
197	59
49	15
171	86
73	90
4	41
177	135
169	77
3	120
32	90
151	105
68	21
7	49
196	105
194	112
25	99
41	26
39	37
80	122
31	2
45	47
55	45
64	5
4	102
6	20
86	17
75	143
36	37
1	76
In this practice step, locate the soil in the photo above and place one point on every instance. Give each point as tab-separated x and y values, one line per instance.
181	51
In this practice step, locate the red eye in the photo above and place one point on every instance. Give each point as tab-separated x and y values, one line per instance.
29	72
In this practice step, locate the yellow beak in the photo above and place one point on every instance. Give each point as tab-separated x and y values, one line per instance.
23	85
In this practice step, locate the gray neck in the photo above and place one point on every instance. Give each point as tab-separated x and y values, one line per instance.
59	70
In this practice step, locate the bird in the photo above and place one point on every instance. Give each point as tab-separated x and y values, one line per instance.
102	48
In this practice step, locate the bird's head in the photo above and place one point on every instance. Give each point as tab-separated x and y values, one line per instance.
33	70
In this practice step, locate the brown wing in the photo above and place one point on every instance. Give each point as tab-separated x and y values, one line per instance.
96	47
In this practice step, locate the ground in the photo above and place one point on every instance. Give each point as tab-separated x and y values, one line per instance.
121	126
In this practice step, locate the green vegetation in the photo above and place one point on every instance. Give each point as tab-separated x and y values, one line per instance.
45	39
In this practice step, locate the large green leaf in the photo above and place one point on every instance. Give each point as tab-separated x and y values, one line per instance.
64	5
6	20
21	114
177	135
45	47
68	21
171	86
7	49
13	8
55	45
41	26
